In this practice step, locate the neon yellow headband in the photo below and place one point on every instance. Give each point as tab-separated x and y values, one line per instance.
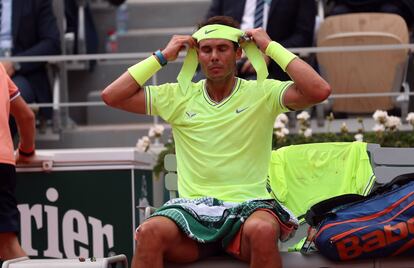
221	32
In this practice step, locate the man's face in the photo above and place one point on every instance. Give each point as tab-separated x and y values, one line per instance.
217	58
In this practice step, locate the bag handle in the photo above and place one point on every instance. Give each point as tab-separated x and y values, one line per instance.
327	207
321	210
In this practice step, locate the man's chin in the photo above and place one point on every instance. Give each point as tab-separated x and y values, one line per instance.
215	77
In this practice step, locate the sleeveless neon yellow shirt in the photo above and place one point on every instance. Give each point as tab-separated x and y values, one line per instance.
223	149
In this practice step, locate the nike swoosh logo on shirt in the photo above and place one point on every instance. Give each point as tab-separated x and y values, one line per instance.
241	110
209	31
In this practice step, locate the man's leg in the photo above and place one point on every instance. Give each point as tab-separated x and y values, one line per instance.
9	215
259	239
160	238
10	247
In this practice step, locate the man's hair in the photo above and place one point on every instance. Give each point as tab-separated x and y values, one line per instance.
223	20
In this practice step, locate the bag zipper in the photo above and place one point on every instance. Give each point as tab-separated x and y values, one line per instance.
342	235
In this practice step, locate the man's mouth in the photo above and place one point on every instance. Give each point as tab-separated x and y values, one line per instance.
215	67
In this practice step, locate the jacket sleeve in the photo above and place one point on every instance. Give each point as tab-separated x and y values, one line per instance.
304	26
48	36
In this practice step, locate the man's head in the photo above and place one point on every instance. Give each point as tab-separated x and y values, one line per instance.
222	20
217	56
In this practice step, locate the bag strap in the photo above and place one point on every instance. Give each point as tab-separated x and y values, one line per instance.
321	210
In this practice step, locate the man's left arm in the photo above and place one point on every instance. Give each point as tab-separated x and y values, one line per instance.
309	87
48	36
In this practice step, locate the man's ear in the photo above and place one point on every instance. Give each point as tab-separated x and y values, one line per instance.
239	53
196	47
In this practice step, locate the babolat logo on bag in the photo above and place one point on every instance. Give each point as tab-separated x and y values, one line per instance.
354	246
379	225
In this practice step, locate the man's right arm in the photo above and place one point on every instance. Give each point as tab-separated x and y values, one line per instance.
309	87
126	92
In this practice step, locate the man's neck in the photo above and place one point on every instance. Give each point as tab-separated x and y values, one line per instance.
219	90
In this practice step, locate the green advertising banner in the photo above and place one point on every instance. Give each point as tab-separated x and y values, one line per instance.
81	213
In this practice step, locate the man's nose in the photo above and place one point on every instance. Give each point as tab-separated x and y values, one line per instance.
214	55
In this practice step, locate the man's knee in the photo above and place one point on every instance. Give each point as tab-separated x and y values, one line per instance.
260	235
156	232
161	236
262	230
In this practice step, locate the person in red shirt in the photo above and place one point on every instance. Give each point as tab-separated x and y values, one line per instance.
12	103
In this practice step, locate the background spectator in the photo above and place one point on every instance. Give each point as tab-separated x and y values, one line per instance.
29	29
289	22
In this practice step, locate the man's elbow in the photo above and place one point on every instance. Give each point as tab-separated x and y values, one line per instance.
322	92
106	97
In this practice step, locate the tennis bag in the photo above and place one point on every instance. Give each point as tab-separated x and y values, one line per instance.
378	225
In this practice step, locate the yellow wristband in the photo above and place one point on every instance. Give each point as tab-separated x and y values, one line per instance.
279	54
143	70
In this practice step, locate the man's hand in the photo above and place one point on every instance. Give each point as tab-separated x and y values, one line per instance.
21	159
8	65
259	37
176	44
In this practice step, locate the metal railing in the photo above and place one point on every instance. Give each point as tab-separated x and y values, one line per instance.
62	102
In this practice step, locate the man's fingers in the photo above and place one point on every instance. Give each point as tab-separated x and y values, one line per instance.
193	42
245	38
184	47
185	42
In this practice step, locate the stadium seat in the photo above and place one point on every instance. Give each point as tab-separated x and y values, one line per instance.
364	72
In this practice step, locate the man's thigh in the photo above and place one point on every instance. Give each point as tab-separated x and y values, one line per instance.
178	247
9	214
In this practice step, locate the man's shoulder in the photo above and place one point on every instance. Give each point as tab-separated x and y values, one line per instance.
267	84
175	89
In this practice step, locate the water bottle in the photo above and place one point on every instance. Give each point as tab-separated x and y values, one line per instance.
111	42
122	19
